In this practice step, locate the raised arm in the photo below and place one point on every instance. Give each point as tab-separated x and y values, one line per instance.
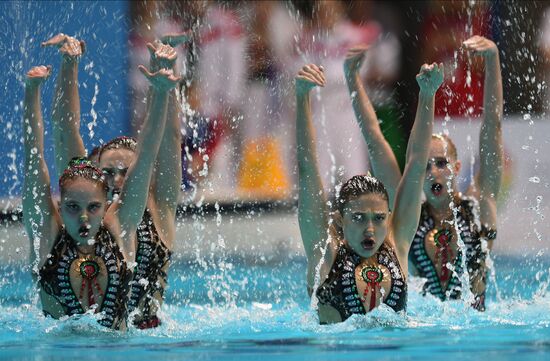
40	215
382	160
490	138
135	192
66	104
312	207
166	183
409	191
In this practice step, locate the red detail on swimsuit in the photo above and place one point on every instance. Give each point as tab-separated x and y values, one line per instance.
444	252
372	276
150	323
89	271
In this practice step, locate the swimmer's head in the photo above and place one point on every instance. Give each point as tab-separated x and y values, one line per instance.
441	171
363	213
83	199
115	157
94	155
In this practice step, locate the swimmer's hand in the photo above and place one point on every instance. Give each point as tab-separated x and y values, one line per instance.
161	80
354	59
37	75
175	39
162	56
430	78
70	47
308	78
480	46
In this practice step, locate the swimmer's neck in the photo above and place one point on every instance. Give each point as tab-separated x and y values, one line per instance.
442	211
85	248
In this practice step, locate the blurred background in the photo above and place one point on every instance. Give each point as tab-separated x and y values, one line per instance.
238	141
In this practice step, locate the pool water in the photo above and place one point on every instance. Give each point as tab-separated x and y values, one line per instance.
220	309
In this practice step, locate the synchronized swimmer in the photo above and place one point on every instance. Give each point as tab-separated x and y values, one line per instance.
107	247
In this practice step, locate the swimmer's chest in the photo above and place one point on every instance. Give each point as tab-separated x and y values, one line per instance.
365	291
441	254
88	288
367	284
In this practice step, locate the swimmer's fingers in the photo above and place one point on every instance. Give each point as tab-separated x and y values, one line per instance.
430	78
166	52
70	48
480	45
308	78
472	45
162	56
41	71
175	39
424	70
56	40
163	79
315	77
38	74
440	71
152	49
318	73
68	45
145	72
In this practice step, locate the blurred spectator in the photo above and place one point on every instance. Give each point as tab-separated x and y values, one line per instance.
220	81
263	170
326	36
213	68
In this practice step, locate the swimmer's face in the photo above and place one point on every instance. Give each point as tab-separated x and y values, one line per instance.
115	163
82	208
441	172
365	223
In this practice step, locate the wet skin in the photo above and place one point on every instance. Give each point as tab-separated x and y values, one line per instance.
439	188
365	226
365	223
82	207
115	163
437	174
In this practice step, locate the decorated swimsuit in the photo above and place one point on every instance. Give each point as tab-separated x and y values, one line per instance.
152	257
55	278
340	289
470	234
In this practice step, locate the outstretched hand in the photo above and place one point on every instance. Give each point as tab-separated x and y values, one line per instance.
480	46
162	80
309	77
37	75
430	78
354	59
162	52
70	47
162	56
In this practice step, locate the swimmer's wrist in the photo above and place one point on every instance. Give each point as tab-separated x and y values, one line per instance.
352	76
302	94
492	56
31	86
426	94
